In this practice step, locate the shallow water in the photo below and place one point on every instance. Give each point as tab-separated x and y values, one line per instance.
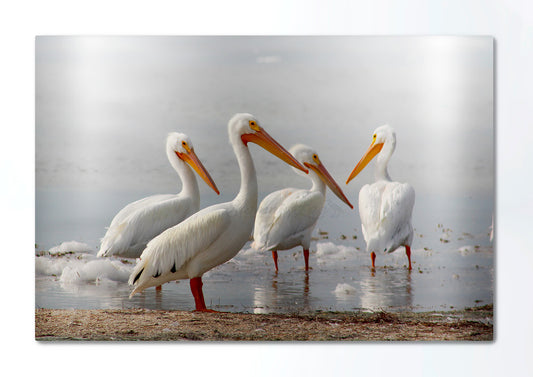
452	269
438	281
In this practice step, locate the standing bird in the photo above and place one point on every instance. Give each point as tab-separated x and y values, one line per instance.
286	218
142	220
215	234
385	206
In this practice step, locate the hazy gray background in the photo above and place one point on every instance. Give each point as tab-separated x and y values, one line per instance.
105	104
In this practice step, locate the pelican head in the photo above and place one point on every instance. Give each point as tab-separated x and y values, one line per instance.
179	145
308	157
246	127
384	138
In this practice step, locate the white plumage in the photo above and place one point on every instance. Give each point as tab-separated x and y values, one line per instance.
286	218
140	221
215	234
385	206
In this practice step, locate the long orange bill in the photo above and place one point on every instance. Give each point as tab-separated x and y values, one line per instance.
372	151
191	158
264	140
324	175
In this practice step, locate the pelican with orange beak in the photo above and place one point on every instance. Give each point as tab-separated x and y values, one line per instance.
286	218
215	234
138	222
385	206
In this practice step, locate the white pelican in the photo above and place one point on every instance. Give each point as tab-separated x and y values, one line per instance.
286	218
215	234
385	206
142	220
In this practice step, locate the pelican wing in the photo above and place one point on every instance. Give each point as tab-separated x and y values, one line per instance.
145	220
396	211
172	249
285	214
385	209
369	211
266	214
138	204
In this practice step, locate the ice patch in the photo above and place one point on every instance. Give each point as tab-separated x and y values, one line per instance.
96	271
468	249
328	250
344	289
76	263
50	266
72	247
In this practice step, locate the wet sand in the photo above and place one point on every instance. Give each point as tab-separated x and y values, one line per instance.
472	324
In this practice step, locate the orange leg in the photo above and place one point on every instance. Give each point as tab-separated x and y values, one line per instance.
196	289
373	257
408	252
275	257
158	288
306	259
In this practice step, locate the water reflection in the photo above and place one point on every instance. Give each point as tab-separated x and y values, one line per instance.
283	294
152	299
171	297
386	288
53	293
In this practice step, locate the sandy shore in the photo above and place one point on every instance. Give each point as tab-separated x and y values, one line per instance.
473	324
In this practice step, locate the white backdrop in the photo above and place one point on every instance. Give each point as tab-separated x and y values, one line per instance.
510	22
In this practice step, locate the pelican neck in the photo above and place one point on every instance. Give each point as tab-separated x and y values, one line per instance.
189	185
247	195
381	172
318	184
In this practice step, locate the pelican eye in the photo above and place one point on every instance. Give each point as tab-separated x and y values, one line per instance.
253	125
185	145
315	158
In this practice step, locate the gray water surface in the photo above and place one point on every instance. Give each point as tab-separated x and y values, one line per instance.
453	268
